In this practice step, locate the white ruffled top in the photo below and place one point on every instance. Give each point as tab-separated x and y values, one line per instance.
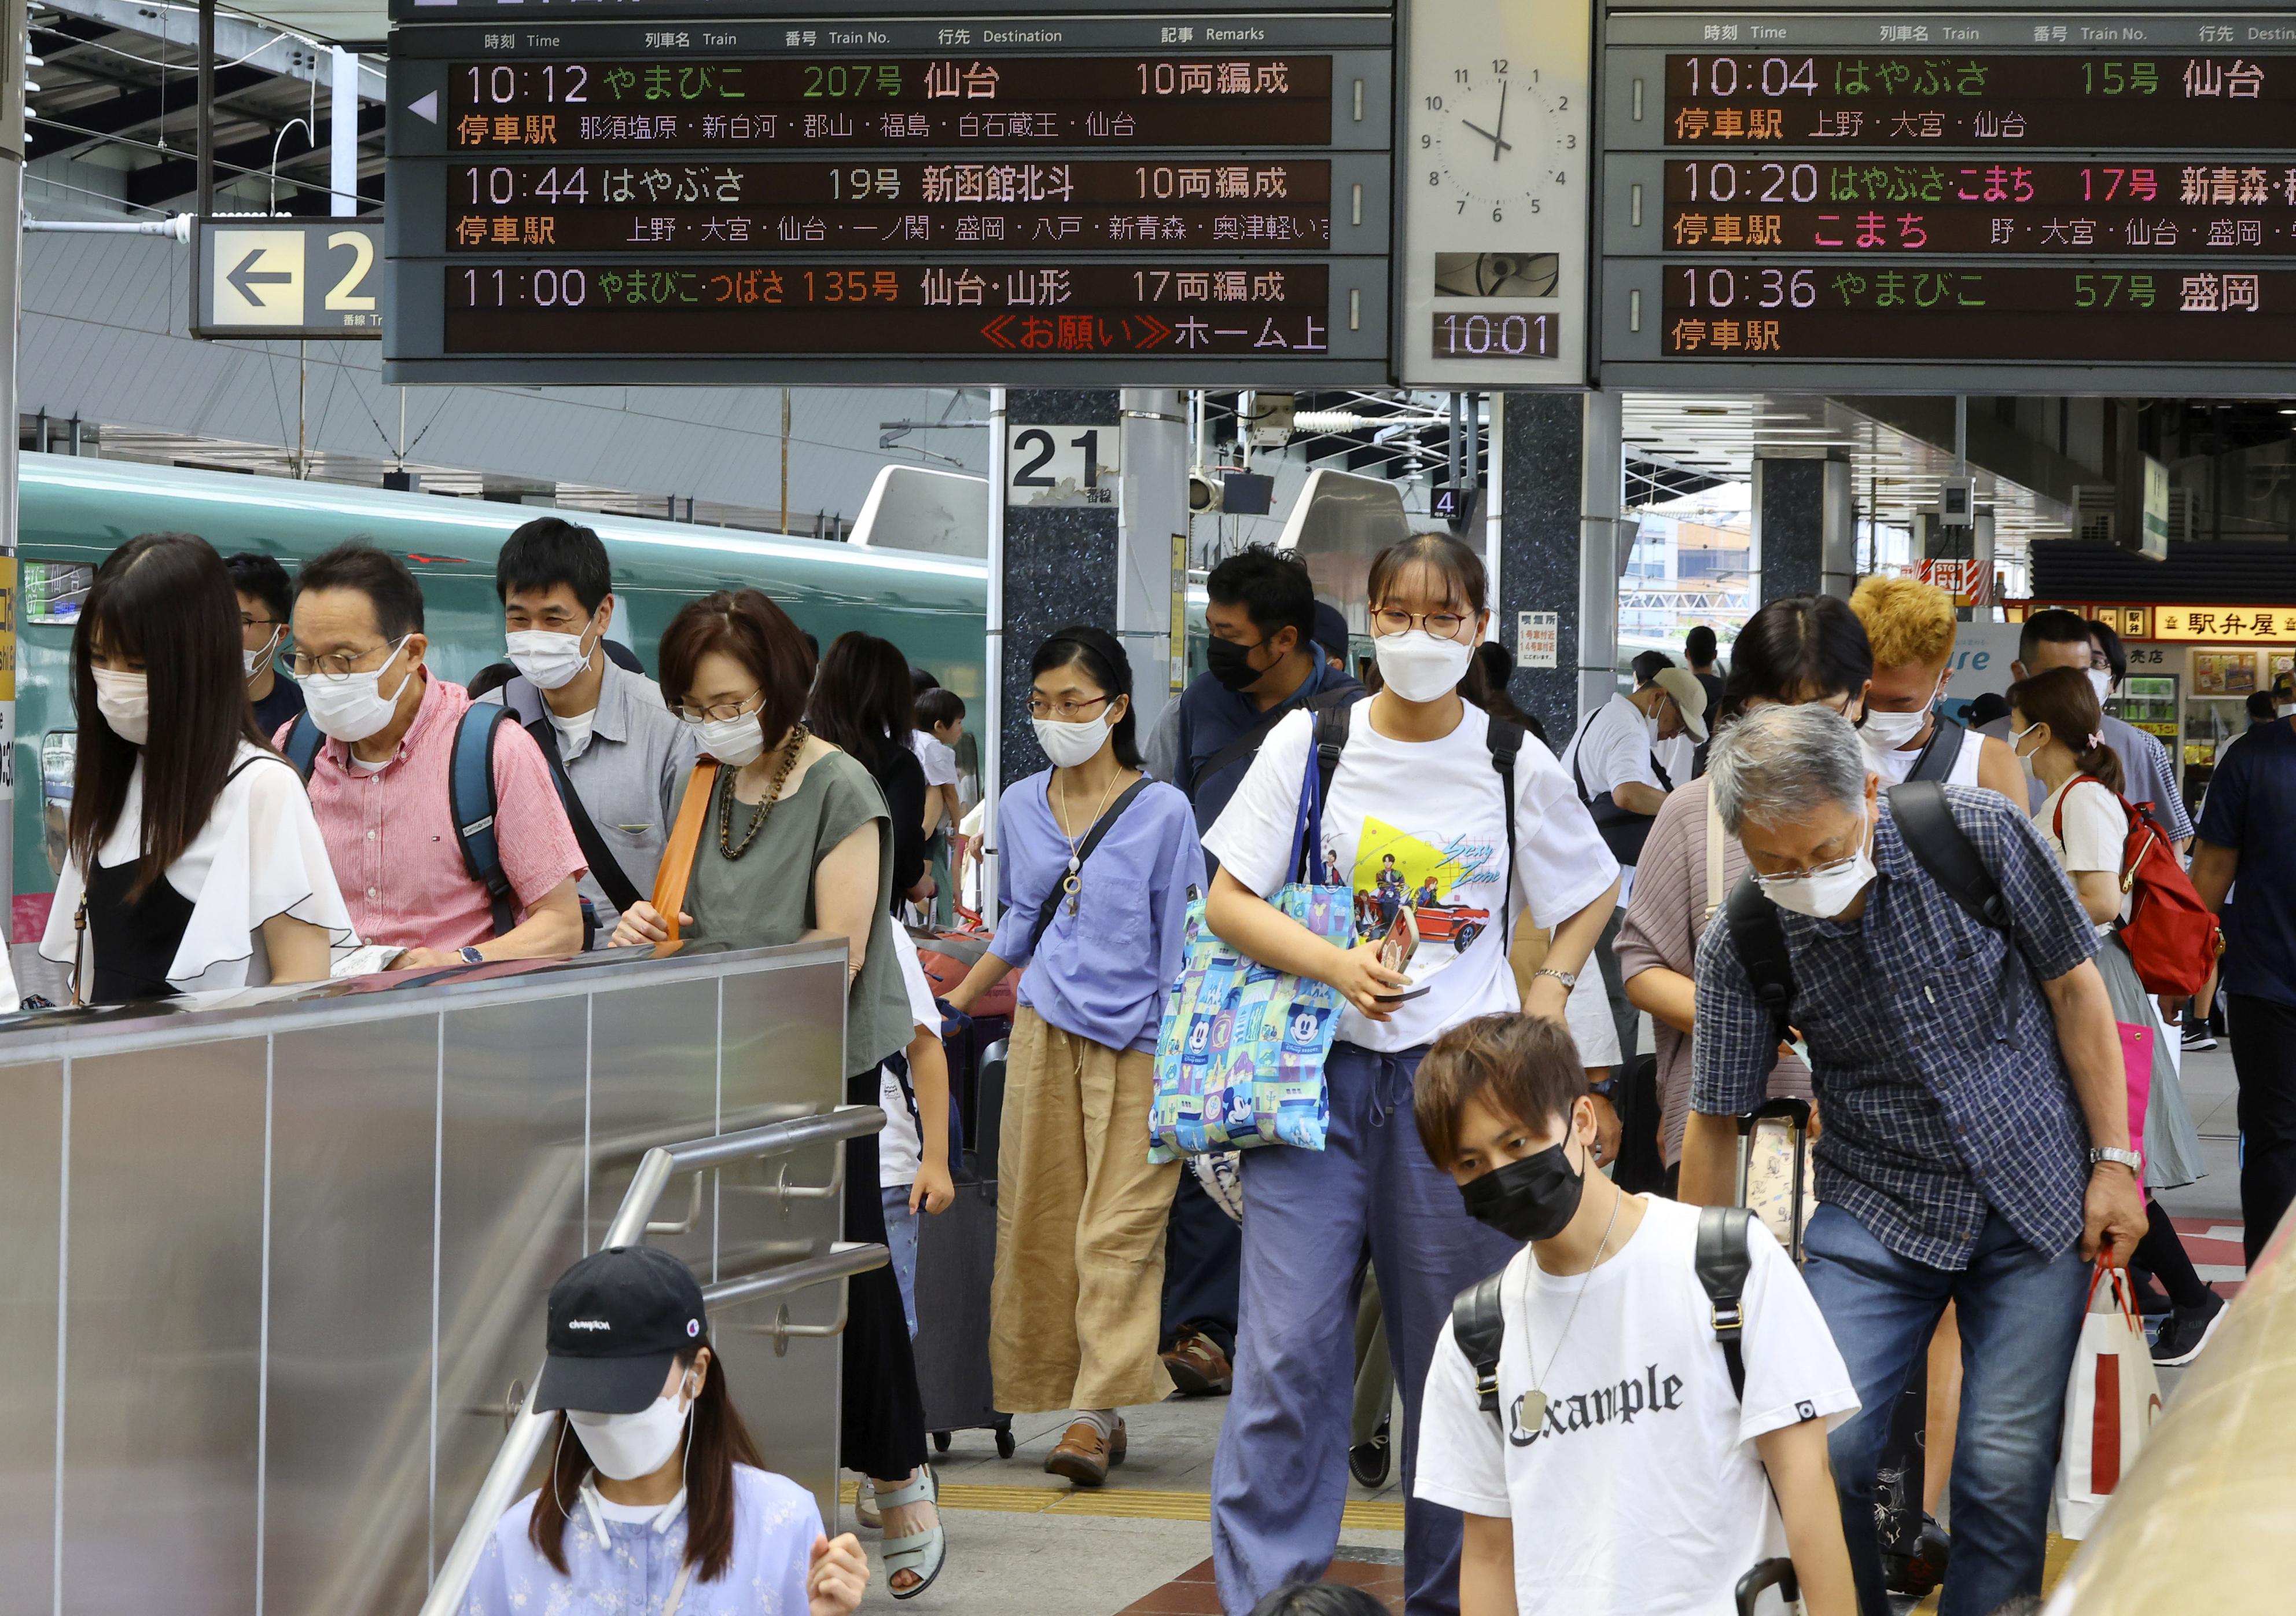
259	855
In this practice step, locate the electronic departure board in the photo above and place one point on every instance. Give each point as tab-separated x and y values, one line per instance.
2101	200
1102	199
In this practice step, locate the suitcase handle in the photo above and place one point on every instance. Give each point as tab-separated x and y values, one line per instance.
1789	1106
1777	1574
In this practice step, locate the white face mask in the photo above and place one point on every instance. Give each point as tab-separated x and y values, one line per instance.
125	701
735	742
1420	668
1067	745
1824	893
1887	732
256	662
549	661
352	707
625	1447
2025	759
2100	680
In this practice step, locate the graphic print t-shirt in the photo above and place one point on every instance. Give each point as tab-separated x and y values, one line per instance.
1642	1447
1417	832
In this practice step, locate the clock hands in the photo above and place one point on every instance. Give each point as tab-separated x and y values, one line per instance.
1492	136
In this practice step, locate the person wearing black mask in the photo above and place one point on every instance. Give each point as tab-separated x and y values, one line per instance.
1608	1382
1264	661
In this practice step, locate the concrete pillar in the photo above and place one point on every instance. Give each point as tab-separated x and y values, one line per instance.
1556	489
1804	528
1152	528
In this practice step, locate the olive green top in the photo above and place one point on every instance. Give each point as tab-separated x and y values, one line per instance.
761	896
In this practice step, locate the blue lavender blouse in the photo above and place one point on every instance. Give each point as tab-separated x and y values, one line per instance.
1101	972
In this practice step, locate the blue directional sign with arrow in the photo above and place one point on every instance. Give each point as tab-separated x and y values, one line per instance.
286	277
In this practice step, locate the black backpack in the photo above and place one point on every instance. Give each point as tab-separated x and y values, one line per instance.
1924	819
1723	1262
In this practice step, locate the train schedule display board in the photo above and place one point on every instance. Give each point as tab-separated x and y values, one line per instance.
1098	200
2103	201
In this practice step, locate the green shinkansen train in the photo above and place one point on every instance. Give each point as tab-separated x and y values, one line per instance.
74	512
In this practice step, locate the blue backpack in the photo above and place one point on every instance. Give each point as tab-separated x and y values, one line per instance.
470	794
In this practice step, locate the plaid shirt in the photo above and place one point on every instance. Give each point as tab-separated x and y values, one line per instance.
1932	1119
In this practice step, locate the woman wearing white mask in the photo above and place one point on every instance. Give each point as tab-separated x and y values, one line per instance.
1911	626
797	844
1095	865
656	1499
1415	779
194	862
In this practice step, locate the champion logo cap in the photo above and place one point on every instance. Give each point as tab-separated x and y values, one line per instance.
619	1318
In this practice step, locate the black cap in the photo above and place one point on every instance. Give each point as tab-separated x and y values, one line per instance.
1331	630
617	1319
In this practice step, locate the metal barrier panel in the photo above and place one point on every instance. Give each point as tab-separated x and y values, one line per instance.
293	1255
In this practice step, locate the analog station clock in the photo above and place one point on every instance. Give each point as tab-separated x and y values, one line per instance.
1494	178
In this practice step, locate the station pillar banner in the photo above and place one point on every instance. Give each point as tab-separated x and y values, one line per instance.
1542	442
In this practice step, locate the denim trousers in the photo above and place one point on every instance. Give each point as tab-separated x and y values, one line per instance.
2020	1319
1280	1478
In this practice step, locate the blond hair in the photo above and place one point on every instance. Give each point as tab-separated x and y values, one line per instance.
1905	620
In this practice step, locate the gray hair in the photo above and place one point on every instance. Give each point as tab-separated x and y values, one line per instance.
1778	762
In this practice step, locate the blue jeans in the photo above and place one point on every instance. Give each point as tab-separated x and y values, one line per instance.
2020	1319
1280	1479
901	1242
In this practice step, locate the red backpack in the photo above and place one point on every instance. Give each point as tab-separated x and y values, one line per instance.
2169	933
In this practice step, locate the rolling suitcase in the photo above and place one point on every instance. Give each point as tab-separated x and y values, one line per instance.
956	1257
1775	1180
1777	1574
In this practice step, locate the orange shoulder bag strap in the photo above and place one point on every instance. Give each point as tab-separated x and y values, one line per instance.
677	869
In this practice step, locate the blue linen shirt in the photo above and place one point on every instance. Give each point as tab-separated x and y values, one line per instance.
1211	715
2251	803
630	1571
1931	1118
1101	972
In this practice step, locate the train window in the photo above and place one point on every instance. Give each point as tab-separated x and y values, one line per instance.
54	591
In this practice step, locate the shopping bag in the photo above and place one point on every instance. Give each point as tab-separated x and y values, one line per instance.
2137	1061
2110	1402
1240	1054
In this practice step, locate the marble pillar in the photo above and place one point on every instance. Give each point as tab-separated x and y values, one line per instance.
1540	440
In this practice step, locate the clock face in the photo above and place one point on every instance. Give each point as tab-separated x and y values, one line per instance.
1493	139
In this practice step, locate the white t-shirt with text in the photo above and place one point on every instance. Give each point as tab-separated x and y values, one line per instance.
898	1147
1417	828
1640	1492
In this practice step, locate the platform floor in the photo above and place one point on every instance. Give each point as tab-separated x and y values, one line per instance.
1022	1543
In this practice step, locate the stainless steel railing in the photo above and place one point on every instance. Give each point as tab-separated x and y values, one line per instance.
631	1222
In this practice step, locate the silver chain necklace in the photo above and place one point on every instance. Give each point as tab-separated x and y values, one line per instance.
1533	1401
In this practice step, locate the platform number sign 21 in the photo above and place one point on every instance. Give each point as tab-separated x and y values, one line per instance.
1060	465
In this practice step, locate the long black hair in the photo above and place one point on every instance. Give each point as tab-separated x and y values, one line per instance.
717	1441
1105	663
1465	589
863	699
1804	648
165	599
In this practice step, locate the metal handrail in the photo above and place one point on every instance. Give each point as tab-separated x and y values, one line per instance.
524	1441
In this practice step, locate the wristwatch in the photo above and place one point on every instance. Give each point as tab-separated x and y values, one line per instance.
1568	978
471	955
2130	1159
1607	1089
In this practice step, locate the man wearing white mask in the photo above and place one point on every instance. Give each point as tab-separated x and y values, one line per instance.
1910	627
264	599
379	781
1976	1148
620	753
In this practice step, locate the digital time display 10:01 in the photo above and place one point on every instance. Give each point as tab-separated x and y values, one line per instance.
1494	336
2174	100
752	103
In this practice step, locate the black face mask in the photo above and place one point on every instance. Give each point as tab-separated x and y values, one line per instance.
1532	1198
1231	663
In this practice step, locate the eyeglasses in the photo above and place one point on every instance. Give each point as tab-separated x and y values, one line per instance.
724	712
1066	712
342	664
247	622
1442	625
